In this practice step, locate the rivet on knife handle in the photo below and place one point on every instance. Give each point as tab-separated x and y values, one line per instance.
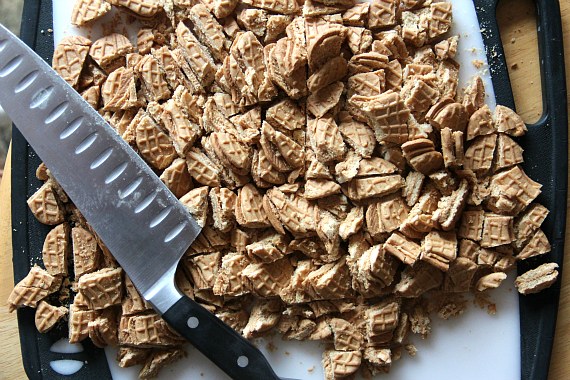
137	217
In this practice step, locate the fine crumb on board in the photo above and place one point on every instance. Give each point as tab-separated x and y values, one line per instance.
271	347
483	300
478	63
411	349
311	370
287	353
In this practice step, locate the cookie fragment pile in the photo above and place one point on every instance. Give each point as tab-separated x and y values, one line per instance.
347	188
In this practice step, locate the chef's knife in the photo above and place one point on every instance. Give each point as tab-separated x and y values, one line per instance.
136	216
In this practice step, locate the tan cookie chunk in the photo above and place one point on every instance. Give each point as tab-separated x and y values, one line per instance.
330	72
183	132
325	139
208	31
356	15
386	215
459	276
439	19
448	114
103	288
254	20
358	39
413	188
538	279
352	224
359	136
528	222
249	210
403	248
324	41
130	356
69	58
197	56
277	6
369	62
147	330
507	121
286	114
497	230
452	147
37	285
373	271
346	336
372	187
508	152
108	51
295	213
266	280
324	100
202	169
143	8
119	91
132	302
154	145
366	84
418	279
86	253
380	322
490	281
103	331
471	226
286	67
382	13
479	155
177	178
45	205
56	249
387	115
86	11
229	280
223	202
449	208
231	152
291	152
47	316
419	95
79	323
537	245
276	25
480	123
264	316
340	364
330	281
154	83
221	8
196	202
159	359
269	248
515	186
203	269
422	156
439	249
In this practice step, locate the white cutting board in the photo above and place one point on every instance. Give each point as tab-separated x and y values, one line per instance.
473	346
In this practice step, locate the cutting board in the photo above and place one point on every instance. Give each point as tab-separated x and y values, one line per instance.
476	345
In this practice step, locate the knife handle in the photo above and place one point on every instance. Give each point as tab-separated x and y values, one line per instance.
237	357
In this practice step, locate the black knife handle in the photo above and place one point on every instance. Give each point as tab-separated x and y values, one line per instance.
546	143
237	357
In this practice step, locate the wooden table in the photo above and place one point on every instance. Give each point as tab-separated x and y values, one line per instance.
518	31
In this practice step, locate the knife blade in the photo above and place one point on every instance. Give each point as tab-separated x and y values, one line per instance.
133	212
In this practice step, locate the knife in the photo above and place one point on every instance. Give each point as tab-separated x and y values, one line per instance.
115	191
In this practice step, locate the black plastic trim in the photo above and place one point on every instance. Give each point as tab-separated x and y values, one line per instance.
546	155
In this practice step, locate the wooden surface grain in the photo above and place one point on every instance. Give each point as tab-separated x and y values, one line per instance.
518	31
